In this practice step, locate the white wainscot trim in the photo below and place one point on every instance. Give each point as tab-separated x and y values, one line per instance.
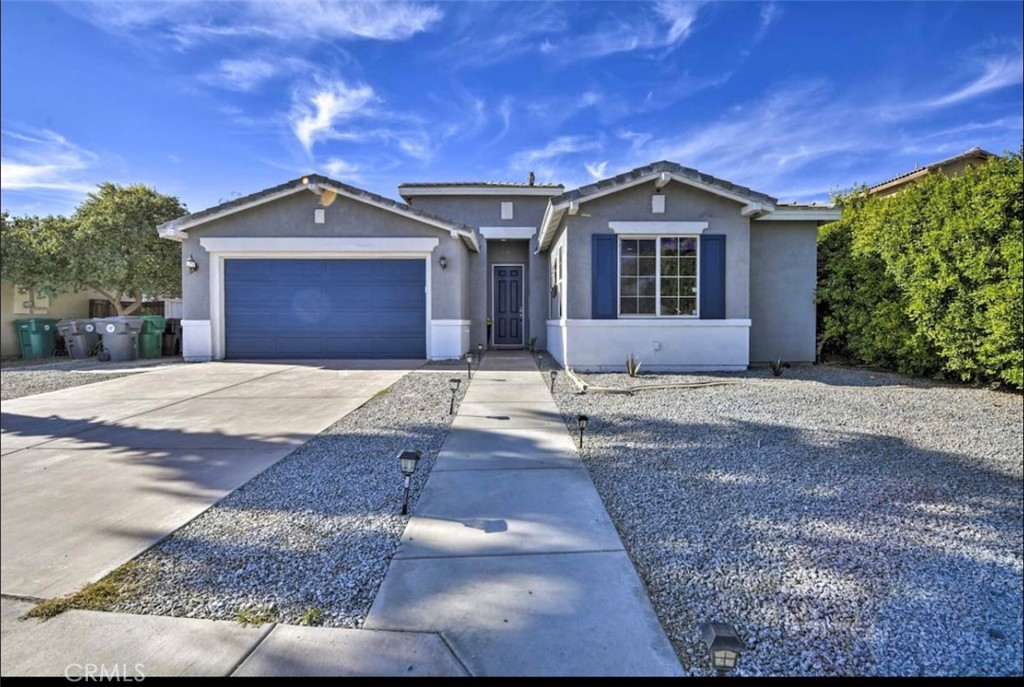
492	233
313	246
655	227
556	340
664	344
196	341
449	339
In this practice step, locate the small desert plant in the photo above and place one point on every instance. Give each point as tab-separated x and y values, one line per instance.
533	344
632	366
256	615
777	367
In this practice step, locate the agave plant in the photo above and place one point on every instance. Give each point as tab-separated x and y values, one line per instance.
632	366
777	367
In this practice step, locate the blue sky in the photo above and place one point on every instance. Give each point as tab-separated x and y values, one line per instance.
211	100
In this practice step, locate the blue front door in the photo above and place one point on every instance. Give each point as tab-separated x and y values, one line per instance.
325	308
508	305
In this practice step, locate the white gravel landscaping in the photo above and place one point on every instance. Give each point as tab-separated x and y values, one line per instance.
309	540
848	522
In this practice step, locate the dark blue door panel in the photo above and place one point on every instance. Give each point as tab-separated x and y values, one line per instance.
325	308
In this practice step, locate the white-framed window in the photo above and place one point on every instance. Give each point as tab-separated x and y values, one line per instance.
557	281
658	276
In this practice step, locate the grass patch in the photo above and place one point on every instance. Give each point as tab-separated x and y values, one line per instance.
313	616
256	615
97	596
382	393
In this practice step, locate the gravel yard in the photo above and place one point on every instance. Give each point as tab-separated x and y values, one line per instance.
23	378
847	522
309	540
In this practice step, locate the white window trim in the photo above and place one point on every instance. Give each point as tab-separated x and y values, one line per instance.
659	228
657	279
280	248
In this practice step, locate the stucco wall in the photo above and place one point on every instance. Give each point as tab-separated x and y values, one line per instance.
783	275
484	211
64	306
682	203
293	216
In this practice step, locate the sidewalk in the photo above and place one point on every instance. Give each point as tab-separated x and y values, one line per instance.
510	555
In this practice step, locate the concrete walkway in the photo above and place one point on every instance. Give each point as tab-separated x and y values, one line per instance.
510	555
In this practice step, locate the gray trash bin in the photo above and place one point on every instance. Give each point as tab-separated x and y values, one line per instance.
80	337
120	337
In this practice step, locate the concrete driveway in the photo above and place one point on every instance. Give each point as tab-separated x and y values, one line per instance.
92	476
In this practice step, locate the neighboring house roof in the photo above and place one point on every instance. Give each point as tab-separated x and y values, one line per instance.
970	155
756	205
477	188
177	229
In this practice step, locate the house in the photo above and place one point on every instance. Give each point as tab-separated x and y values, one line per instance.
971	157
684	270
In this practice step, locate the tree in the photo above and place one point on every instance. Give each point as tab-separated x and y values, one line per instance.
34	253
115	248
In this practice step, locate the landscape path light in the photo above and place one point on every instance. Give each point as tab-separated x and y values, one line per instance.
407	464
554	373
581	422
453	384
724	646
469	366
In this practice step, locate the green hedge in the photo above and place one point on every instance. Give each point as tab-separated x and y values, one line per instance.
929	281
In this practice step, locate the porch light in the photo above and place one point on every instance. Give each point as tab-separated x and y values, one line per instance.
581	422
443	262
724	646
469	365
407	463
453	384
191	264
554	373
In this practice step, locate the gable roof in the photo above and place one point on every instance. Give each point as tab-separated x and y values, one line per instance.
477	188
177	229
754	203
973	153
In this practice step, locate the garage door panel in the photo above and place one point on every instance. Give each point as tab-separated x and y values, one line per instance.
325	308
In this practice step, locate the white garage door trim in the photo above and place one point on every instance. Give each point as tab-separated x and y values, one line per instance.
222	248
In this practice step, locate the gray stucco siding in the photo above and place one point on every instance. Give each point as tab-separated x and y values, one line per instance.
484	211
682	203
783	276
292	216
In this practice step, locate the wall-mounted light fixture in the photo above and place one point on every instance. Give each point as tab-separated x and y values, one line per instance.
191	264
443	262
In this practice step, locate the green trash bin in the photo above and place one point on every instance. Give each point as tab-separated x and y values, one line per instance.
38	336
151	338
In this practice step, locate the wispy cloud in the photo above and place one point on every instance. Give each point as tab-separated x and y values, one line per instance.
770	12
45	160
342	170
596	169
661	27
996	72
315	113
558	160
248	74
188	22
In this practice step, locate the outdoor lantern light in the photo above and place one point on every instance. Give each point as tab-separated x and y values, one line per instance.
443	262
554	373
469	365
407	462
724	646
191	264
479	354
453	384
582	422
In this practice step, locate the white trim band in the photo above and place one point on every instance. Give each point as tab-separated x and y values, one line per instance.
319	246
657	227
492	233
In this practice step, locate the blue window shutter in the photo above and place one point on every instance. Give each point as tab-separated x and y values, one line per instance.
712	277
603	275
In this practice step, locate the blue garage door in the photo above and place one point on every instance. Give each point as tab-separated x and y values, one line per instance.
325	308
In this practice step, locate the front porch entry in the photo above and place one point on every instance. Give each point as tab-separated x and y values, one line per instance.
507	291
